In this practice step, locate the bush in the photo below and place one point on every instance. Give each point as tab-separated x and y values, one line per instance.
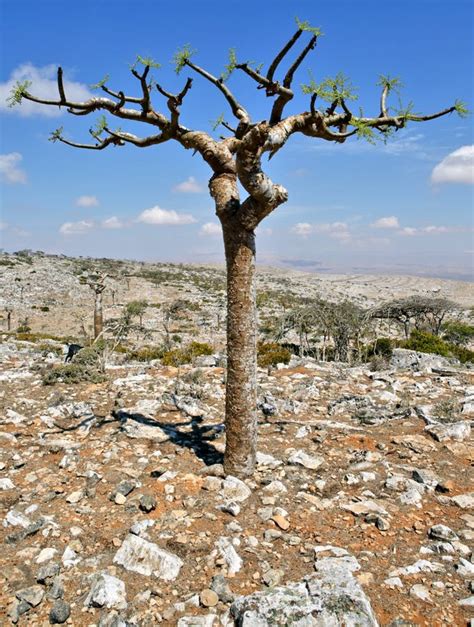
72	373
383	347
271	354
458	333
424	342
147	353
428	343
178	356
84	369
44	308
23	328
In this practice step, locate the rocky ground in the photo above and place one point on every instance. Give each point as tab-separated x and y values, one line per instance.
114	507
116	510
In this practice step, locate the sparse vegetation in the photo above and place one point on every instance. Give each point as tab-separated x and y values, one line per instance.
271	354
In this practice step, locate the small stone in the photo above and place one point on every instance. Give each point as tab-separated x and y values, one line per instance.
420	592
221	588
107	591
300	458
60	612
272	577
32	595
235	489
75	497
281	522
120	499
125	487
208	598
230	508
45	555
47	572
441	532
147	503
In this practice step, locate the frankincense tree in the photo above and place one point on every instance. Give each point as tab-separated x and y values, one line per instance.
237	158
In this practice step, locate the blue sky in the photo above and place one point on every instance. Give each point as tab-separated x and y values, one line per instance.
404	207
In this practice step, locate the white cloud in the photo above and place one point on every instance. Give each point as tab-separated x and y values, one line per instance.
112	223
303	229
457	167
211	228
87	201
434	230
3	226
335	230
156	215
408	230
389	222
76	228
189	186
9	170
43	85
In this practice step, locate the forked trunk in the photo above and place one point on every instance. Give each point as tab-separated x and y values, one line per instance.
241	392
98	315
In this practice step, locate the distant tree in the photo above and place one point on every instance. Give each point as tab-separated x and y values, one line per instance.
418	311
170	312
137	308
458	332
97	284
9	311
233	160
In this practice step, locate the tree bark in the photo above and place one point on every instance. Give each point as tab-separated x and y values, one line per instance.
241	385
98	315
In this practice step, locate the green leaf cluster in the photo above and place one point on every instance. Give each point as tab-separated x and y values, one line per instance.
97	130
216	123
331	89
56	135
306	26
148	62
230	67
101	83
461	109
181	56
390	83
363	130
17	93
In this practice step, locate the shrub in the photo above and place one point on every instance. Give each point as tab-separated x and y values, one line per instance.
424	342
147	353
72	373
463	354
44	308
178	356
23	328
84	369
46	347
271	354
458	332
383	346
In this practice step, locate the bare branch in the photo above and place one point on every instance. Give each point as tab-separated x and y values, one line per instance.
145	100
286	48
141	142
174	101
289	75
383	101
61	85
237	109
100	146
117	95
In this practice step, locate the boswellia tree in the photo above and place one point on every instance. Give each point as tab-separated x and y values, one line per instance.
237	158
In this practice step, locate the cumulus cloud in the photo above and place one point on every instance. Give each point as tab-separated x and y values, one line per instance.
457	167
210	228
112	223
159	216
336	230
87	201
189	186
434	230
302	229
44	85
9	170
76	228
389	222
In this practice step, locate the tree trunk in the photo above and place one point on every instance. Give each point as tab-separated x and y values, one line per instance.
98	315
241	385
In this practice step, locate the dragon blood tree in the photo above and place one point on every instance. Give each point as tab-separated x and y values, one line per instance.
237	158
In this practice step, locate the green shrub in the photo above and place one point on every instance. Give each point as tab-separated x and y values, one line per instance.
45	348
84	369
383	346
178	356
271	354
147	353
23	328
424	342
72	373
428	343
458	332
44	308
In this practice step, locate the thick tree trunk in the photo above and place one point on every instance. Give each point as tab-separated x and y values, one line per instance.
241	392
98	315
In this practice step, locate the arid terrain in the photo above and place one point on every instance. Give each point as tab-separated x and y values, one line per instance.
115	508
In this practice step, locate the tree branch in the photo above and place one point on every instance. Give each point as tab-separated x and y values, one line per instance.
100	146
286	48
141	142
237	109
145	100
61	86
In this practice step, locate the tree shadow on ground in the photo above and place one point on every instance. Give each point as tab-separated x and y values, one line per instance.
190	434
